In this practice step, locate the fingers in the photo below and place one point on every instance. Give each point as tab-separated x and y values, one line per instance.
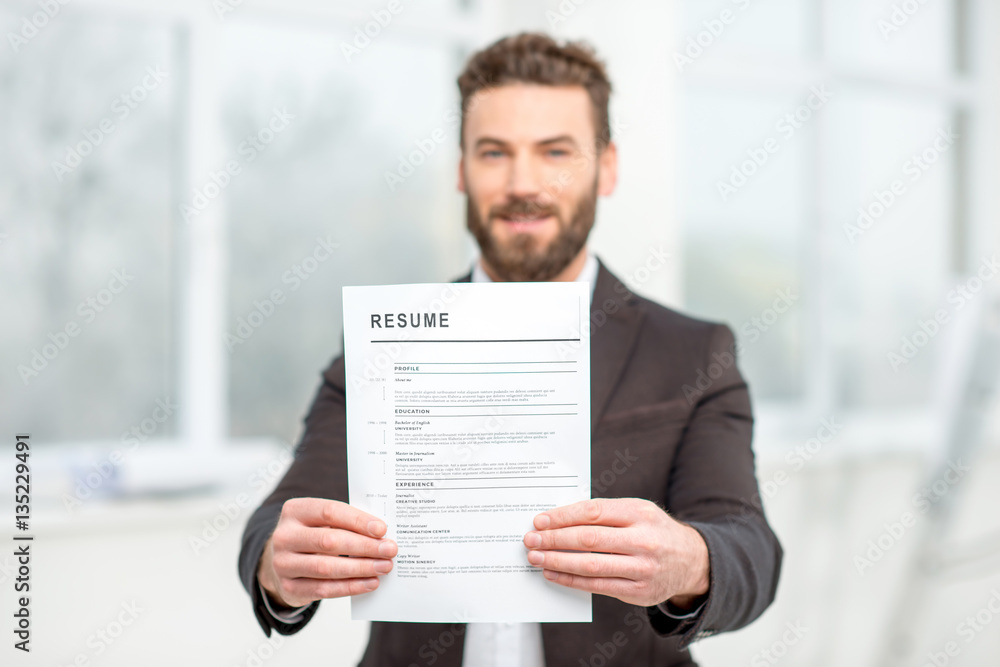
622	589
591	565
597	511
313	566
333	542
322	512
581	538
317	589
304	561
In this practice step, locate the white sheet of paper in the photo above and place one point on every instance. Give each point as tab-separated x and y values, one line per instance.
460	430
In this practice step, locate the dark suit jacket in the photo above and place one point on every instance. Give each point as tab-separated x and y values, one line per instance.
671	423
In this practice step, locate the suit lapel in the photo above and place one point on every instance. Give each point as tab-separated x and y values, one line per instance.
614	327
615	321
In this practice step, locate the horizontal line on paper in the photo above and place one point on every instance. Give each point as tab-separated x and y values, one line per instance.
438	479
478	372
473	363
525	414
475	488
483	340
479	405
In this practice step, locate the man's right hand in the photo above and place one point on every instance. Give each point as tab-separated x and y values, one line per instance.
303	560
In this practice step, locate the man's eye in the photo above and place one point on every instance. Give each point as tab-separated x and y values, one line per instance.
558	152
492	154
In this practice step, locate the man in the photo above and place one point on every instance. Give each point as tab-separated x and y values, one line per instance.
674	544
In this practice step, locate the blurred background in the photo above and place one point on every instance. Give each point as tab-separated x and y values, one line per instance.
822	175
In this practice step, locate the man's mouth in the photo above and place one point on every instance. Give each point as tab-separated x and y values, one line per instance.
525	222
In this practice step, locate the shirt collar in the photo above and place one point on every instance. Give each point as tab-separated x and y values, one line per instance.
588	274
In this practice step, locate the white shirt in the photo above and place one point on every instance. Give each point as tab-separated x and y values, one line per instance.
511	644
496	644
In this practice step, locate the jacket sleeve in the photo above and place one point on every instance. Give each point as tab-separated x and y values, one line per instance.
713	488
318	470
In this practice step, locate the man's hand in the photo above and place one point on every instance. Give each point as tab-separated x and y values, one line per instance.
631	550
304	559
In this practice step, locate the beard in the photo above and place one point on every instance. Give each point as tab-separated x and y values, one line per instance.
524	257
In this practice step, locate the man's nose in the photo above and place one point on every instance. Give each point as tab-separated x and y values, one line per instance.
525	180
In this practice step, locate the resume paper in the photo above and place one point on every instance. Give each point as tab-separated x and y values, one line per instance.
468	413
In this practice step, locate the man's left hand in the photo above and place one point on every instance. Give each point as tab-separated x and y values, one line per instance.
626	548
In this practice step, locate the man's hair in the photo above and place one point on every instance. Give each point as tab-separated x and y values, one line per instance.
538	58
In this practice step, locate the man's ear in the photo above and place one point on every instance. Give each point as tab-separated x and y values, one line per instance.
607	170
461	174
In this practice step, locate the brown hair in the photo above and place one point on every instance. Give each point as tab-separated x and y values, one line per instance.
538	58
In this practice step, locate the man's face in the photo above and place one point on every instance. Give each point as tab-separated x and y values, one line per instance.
532	174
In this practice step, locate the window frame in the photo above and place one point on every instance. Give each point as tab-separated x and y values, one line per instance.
201	281
963	91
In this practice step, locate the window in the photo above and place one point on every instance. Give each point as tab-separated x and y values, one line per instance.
360	167
271	147
89	257
797	119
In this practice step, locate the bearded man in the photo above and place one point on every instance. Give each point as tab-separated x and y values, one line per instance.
674	545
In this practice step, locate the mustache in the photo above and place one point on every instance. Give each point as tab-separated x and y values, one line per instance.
523	207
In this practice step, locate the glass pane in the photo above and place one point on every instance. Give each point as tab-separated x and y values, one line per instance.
426	8
912	36
717	29
744	172
86	160
891	167
323	180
